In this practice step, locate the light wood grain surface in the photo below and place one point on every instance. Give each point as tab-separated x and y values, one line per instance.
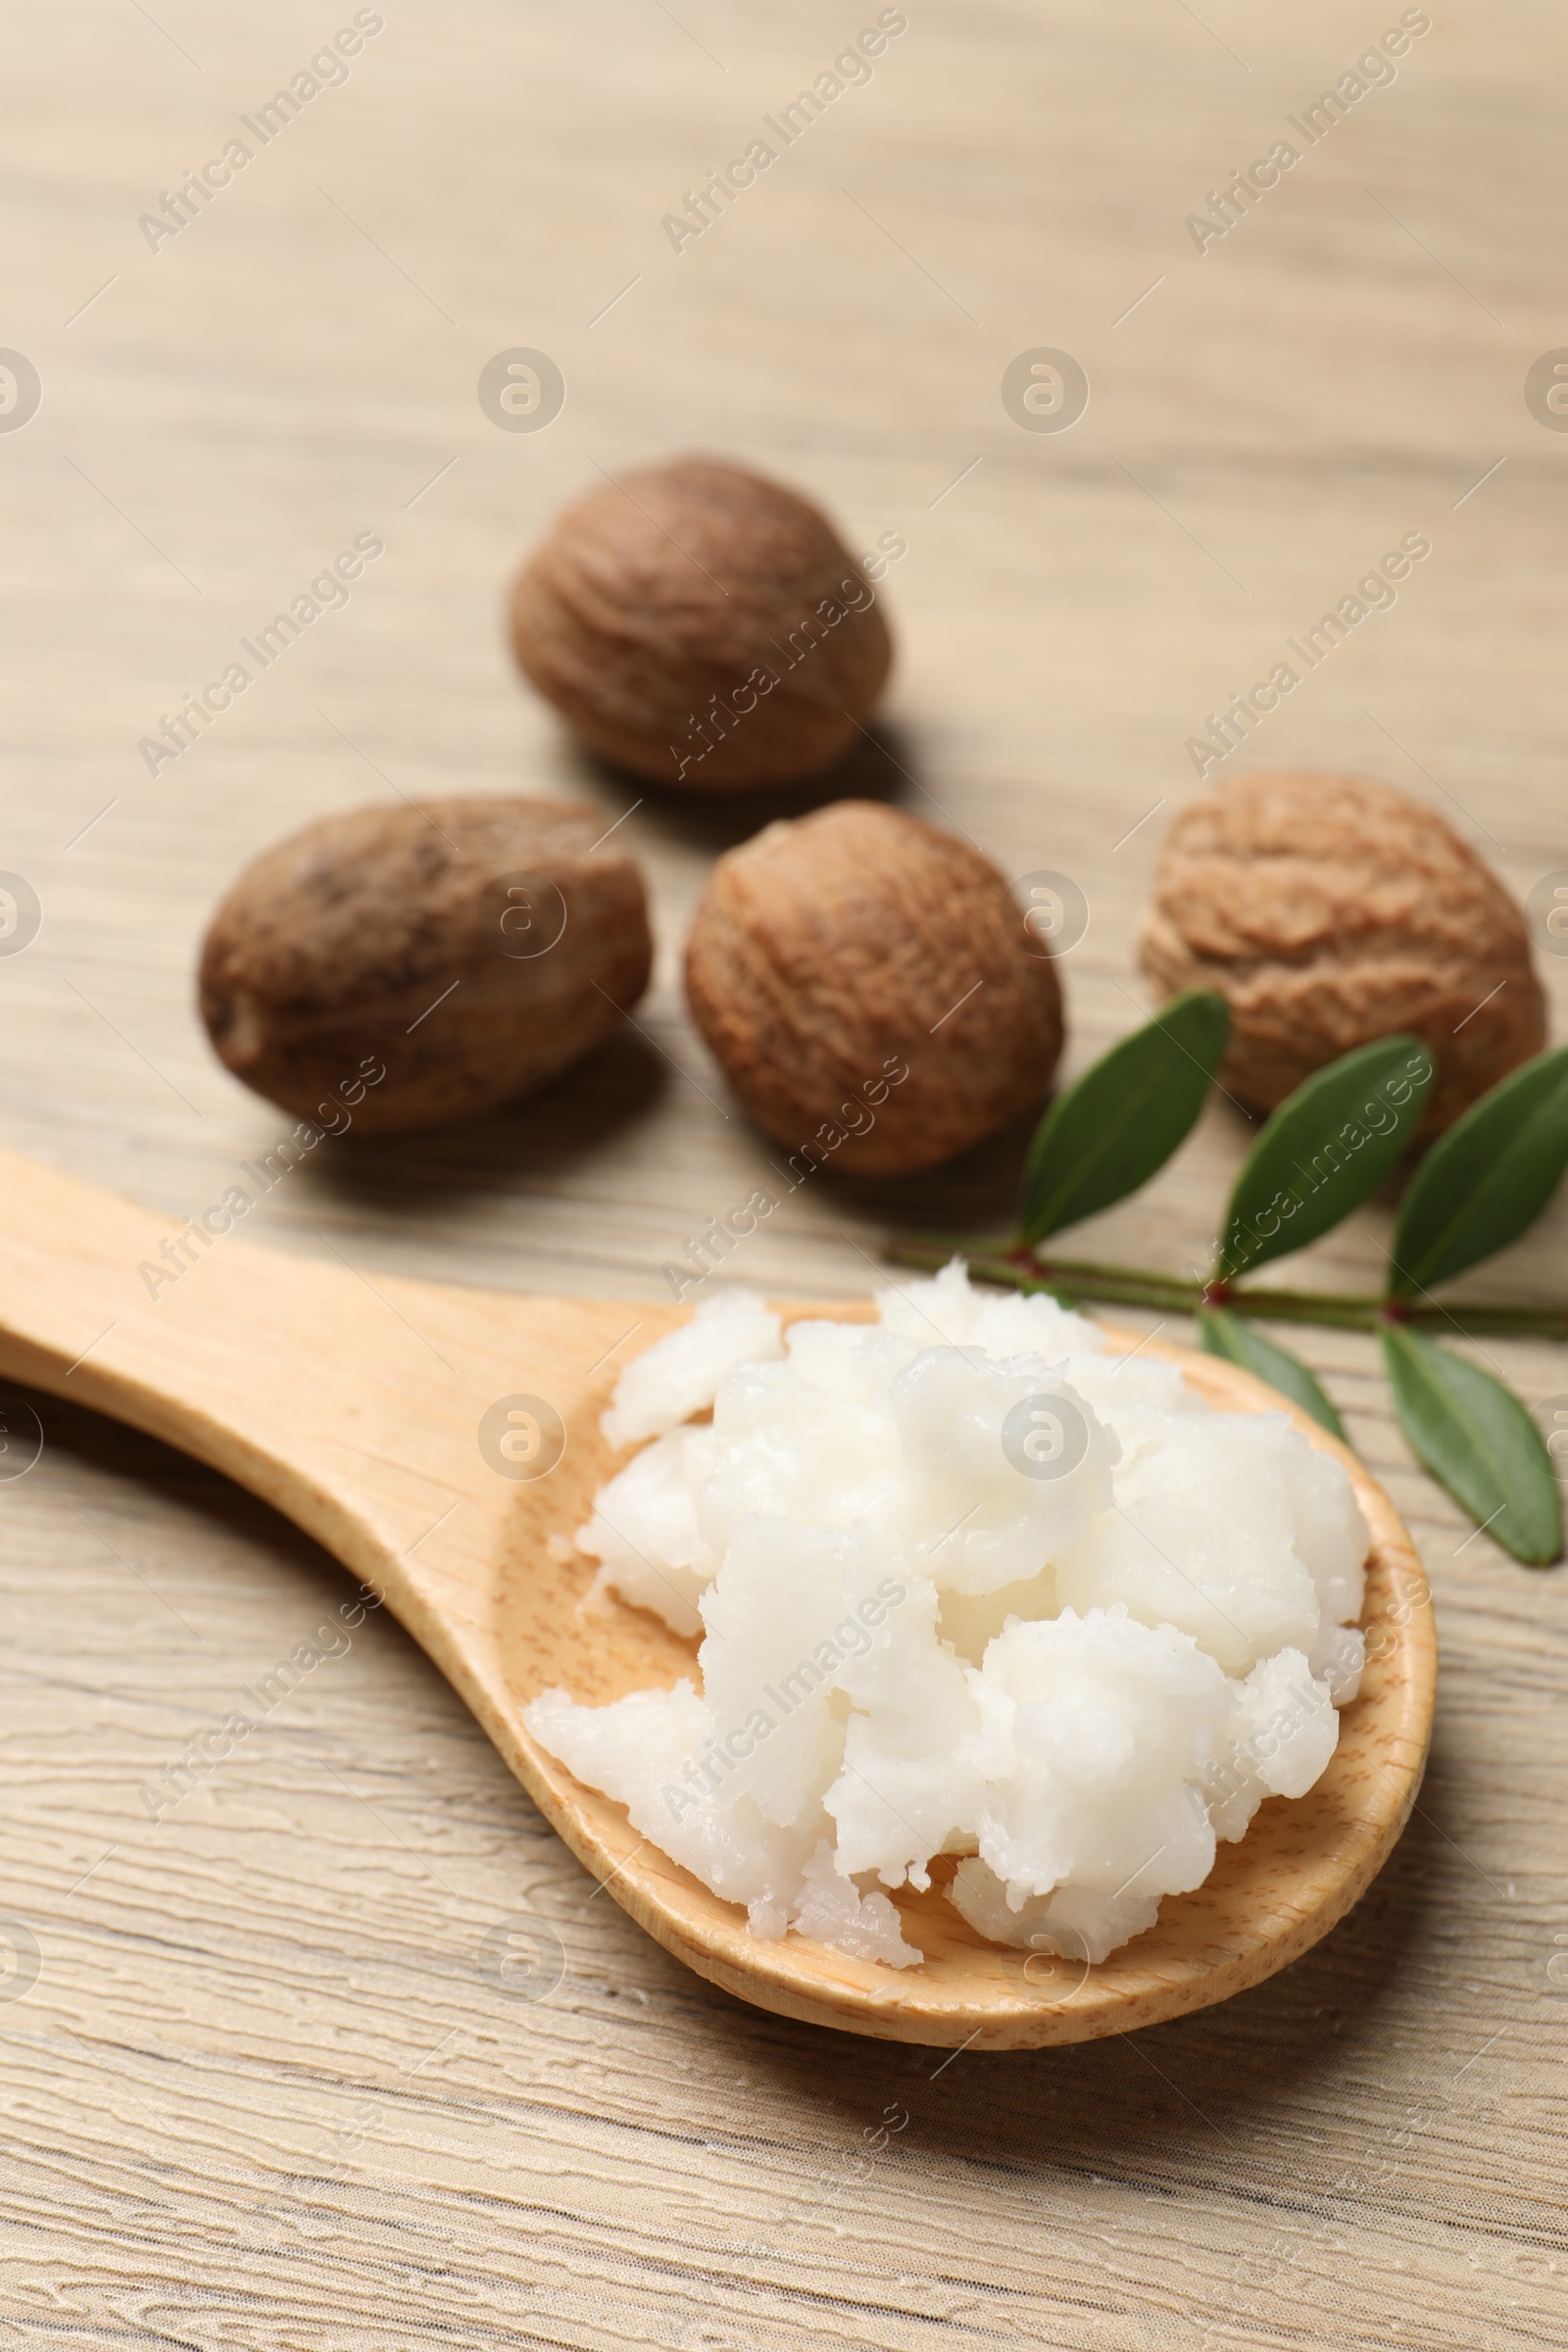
272	2087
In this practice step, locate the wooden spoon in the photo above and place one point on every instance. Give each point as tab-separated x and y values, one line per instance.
413	1429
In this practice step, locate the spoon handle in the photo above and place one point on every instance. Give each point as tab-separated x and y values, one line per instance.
292	1376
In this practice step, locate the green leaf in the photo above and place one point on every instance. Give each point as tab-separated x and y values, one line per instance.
1109	1132
1487	1180
1478	1441
1326	1147
1229	1336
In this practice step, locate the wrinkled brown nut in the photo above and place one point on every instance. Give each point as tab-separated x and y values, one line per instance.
1332	912
468	954
869	988
702	626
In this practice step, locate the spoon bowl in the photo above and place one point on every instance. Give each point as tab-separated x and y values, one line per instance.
444	1444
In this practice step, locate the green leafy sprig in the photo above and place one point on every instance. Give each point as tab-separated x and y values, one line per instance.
1319	1155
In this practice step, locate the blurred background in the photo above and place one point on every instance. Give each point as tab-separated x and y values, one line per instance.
222	409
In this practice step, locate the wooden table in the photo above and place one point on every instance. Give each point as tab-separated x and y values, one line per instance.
270	2088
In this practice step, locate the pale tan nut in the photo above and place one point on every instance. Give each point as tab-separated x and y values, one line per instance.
833	950
1332	912
702	627
472	948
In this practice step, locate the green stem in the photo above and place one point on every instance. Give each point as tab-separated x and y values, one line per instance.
1471	1318
1132	1286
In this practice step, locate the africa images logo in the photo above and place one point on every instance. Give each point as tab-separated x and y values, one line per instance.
850	69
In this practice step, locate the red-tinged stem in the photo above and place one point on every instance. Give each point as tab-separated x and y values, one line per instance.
1132	1286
